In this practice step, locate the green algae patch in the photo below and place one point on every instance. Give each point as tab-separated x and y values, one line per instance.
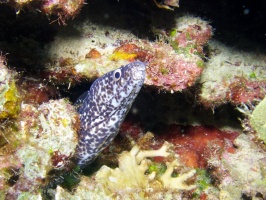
158	168
258	120
164	71
203	181
200	64
252	75
172	32
175	45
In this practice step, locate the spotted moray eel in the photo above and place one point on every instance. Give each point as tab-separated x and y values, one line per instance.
103	108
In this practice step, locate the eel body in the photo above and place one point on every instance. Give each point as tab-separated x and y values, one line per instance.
103	108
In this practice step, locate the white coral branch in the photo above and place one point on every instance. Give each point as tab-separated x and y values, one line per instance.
163	151
178	182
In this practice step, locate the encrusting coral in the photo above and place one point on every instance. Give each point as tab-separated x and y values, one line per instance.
63	9
242	172
42	135
232	76
189	35
172	67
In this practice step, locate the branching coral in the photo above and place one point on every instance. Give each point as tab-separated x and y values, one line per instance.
131	171
134	179
130	176
179	182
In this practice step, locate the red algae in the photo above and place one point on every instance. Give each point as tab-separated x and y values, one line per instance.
37	93
167	69
194	35
132	129
171	71
195	144
176	74
243	90
59	160
62	75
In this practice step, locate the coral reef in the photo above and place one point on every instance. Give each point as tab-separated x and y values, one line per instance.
66	9
72	60
171	67
86	188
241	172
35	91
195	144
131	181
171	71
63	9
231	76
131	173
28	154
183	137
189	35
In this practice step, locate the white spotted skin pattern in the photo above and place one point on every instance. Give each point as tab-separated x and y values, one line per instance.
104	108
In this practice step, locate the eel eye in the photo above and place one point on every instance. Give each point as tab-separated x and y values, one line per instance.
117	74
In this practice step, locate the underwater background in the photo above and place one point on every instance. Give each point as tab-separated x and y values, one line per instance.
196	130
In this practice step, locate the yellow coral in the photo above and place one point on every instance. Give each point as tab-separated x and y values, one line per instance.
123	56
130	173
11	106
